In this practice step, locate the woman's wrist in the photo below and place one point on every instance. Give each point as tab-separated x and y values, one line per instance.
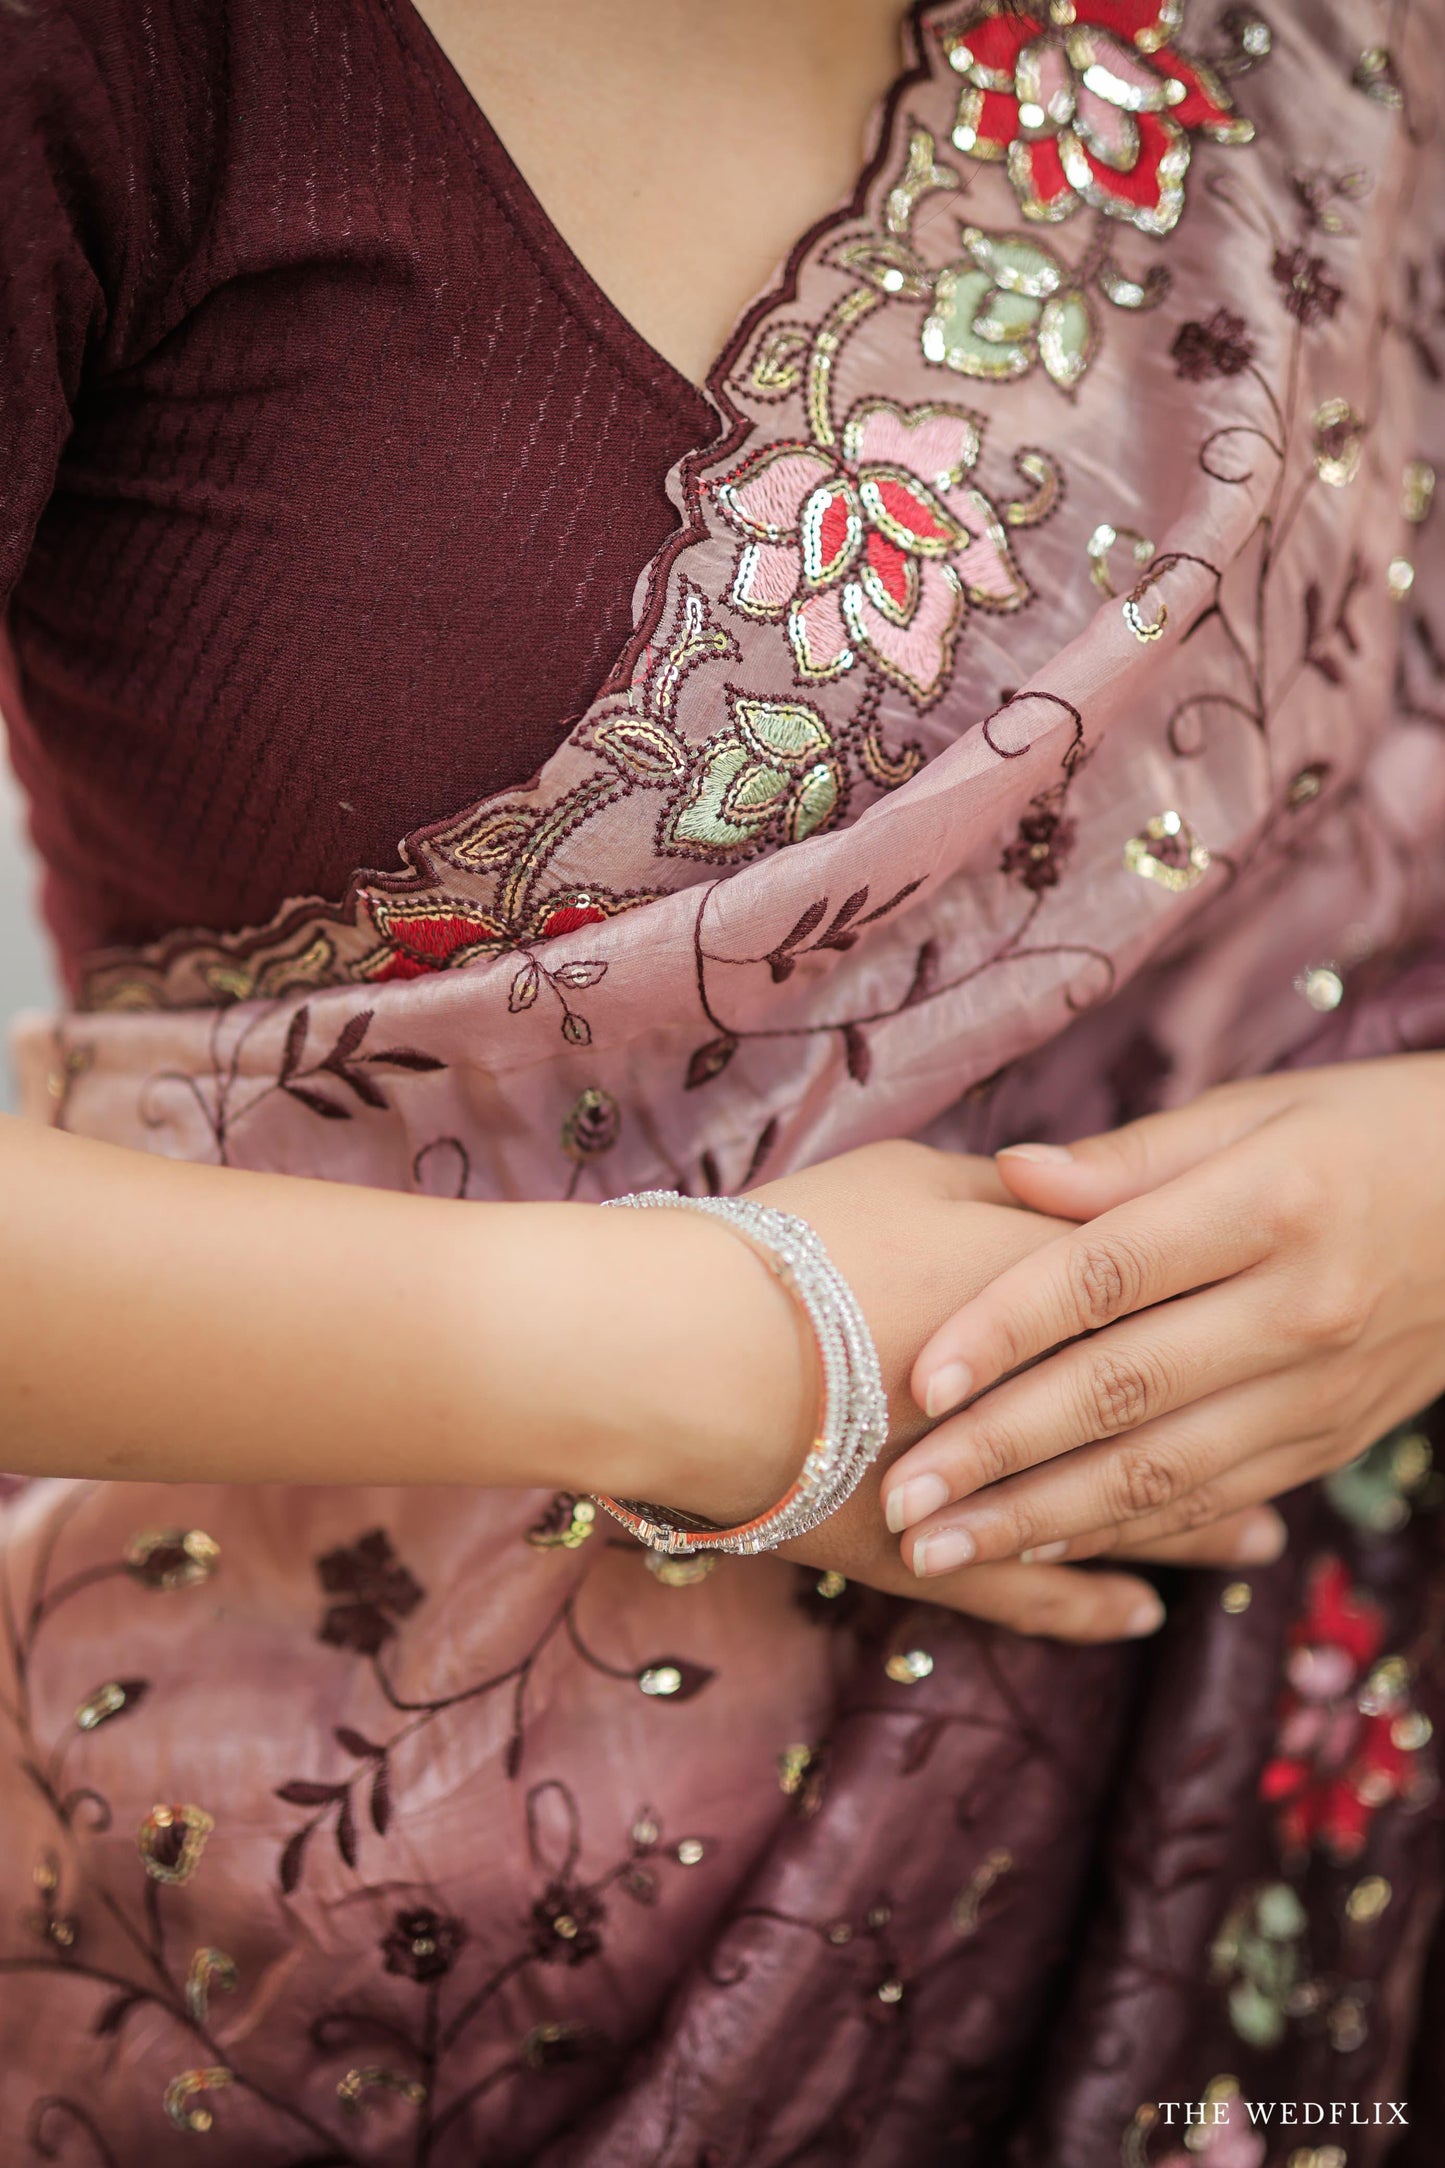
690	1377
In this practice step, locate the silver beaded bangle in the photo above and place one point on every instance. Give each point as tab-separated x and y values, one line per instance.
853	1426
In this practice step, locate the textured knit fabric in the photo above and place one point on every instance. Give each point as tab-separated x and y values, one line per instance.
325	470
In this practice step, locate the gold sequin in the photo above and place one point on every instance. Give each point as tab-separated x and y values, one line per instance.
172	1557
644	1832
680	1572
689	1851
208	1968
1368	1899
366	2076
106	1701
1412	1731
660	1680
1321	986
1102	541
908	1666
1399	578
840	1933
1306	786
171	1840
567	1526
1419	491
1236	1598
964	1913
592	1125
1386	1686
1339	436
830	1584
890	1990
182	2104
793	1765
1167	850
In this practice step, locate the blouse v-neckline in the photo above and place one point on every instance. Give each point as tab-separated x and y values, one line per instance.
558	259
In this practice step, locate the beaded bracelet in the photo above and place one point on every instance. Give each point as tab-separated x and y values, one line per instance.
853	1427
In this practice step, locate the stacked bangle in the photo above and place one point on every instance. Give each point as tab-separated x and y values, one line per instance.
853	1426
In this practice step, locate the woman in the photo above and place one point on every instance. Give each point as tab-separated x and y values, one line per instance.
443	1828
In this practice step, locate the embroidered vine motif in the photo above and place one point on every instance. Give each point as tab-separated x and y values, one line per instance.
858	529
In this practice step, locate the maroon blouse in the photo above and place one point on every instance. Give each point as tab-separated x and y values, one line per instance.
282	330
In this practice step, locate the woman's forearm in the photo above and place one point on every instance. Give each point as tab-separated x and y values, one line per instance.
171	1322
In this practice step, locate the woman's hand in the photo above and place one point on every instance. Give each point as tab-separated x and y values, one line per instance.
1256	1294
916	1232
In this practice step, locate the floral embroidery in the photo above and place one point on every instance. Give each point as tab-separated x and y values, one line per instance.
1347	1730
1087	103
1378	1492
1260	1952
1311	296
566	1924
856	527
1222	347
422	1945
375	1589
1036	856
1009	304
870	552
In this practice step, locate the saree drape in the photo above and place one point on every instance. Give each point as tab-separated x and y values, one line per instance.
1035	718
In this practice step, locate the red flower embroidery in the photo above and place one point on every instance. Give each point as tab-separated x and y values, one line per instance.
1347	1734
871	553
1086	101
433	936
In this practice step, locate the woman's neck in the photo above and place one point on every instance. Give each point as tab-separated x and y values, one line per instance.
680	151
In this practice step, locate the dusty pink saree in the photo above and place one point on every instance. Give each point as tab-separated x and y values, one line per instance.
1036	716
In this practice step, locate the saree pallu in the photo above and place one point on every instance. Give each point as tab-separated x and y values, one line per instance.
1034	719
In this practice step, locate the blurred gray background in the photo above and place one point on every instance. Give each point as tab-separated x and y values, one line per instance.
25	975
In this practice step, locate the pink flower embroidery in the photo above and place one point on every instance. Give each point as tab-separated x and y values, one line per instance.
872	552
1086	101
1348	1731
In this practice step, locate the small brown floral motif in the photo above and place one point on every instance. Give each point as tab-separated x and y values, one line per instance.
1310	296
422	1945
376	1589
1037	854
566	1922
1222	347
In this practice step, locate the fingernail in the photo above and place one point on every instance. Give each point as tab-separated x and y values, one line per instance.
1262	1541
914	1500
1146	1618
1041	1553
947	1389
942	1551
1044	1155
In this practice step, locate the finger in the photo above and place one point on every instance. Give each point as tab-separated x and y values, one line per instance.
1098	1387
1114	1485
1254	1536
1206	1226
1264	1476
1057	1603
1081	1180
